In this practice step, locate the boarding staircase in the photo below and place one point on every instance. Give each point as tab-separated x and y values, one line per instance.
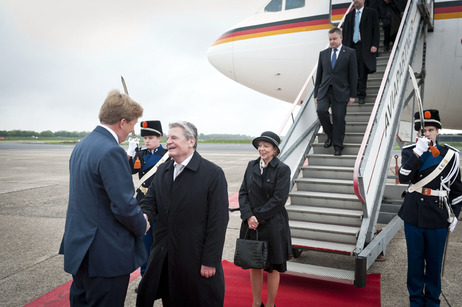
335	202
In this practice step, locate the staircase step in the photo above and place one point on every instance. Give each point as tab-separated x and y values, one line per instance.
325	215
338	248
348	149
367	107
331	160
328	200
321	273
352	137
339	172
324	232
325	185
356	126
357	117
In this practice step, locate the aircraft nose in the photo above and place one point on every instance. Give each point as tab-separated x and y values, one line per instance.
221	56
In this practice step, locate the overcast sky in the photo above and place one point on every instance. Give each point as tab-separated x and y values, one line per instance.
59	59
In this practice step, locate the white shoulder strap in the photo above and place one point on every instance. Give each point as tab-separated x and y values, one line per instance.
420	184
138	182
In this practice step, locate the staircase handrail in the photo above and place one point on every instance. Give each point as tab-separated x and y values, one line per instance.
360	162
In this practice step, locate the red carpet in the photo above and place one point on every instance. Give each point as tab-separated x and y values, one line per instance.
298	291
293	291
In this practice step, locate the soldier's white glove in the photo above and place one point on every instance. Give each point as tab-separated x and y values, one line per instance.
132	145
421	146
453	225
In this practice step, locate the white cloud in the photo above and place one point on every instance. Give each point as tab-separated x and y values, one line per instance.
61	58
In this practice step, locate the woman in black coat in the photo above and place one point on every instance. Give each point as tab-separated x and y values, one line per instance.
262	197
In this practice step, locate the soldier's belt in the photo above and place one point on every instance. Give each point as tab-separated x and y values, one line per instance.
430	192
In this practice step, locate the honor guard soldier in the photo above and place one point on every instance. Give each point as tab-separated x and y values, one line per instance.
432	204
142	161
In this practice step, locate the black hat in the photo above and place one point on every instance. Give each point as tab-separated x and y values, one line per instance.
269	137
431	118
151	127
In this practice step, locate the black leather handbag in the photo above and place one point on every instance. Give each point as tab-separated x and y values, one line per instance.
251	254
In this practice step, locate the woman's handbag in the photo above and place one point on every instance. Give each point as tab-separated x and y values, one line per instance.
251	254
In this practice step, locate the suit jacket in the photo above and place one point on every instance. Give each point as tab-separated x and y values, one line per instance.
344	77
103	219
192	217
421	210
370	35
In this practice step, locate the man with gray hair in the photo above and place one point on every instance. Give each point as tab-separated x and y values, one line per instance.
189	197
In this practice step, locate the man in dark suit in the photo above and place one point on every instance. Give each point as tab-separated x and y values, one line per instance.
104	225
361	31
189	197
335	87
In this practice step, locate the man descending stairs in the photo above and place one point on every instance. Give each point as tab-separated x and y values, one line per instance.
325	214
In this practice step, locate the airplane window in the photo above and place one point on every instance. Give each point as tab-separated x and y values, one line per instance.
294	4
274	6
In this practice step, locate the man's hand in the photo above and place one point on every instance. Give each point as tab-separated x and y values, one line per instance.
421	146
252	222
132	145
352	99
148	225
207	271
453	225
373	49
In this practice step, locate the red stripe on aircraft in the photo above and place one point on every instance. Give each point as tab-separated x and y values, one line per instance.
275	28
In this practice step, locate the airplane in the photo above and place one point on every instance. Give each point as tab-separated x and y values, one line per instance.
274	51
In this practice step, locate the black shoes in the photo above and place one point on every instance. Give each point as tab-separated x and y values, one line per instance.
338	152
328	142
361	101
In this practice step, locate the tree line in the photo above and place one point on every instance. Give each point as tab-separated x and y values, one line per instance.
81	134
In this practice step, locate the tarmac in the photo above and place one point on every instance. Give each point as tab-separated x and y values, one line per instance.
33	201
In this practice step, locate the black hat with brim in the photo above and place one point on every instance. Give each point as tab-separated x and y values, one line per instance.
269	137
431	118
151	127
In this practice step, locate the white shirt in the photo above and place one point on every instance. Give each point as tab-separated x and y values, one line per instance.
338	51
183	165
111	131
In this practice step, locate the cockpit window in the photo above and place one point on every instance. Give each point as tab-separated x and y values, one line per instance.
274	6
294	4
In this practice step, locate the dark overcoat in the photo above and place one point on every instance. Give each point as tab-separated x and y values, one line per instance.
343	78
370	35
192	217
266	201
421	210
103	219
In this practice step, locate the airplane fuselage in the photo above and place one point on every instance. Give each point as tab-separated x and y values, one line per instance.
274	52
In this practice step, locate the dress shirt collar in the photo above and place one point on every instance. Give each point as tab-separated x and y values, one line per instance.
111	131
184	163
338	50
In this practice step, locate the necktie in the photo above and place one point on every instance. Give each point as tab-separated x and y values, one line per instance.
334	58
356	29
178	168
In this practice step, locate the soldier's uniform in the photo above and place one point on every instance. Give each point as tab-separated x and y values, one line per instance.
426	212
142	162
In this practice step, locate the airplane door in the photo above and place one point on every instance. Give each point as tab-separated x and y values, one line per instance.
337	9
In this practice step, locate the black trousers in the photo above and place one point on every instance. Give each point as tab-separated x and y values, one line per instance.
362	71
336	129
97	291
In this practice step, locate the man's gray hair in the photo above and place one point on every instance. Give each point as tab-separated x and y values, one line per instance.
336	30
189	130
